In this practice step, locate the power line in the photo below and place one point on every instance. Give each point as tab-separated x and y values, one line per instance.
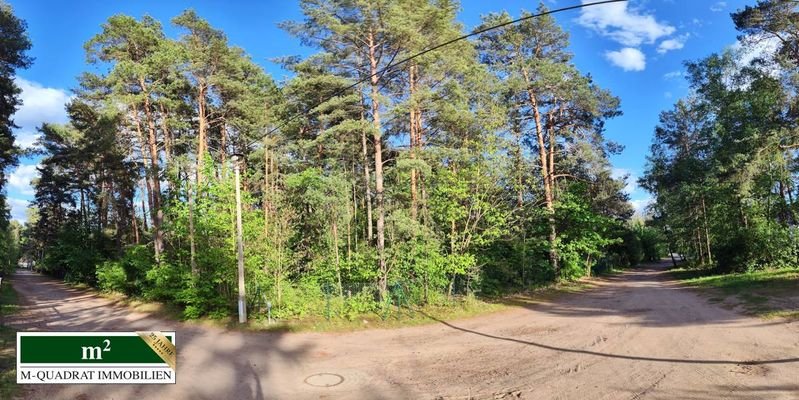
430	49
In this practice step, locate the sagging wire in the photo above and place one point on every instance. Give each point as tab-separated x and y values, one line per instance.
391	66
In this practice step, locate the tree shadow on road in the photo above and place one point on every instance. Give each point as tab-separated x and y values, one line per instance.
646	296
213	363
611	355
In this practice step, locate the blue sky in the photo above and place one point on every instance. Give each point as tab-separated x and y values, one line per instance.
635	49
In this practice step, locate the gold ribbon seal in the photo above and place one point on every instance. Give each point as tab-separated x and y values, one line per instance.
161	346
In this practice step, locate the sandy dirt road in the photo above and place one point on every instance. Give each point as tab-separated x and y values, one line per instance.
637	335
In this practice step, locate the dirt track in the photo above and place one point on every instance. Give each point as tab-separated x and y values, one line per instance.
635	336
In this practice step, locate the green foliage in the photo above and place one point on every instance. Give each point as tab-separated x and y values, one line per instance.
127	275
13	48
765	293
343	213
651	242
9	388
8	299
756	248
632	251
165	282
69	257
723	162
585	234
359	304
10	247
111	277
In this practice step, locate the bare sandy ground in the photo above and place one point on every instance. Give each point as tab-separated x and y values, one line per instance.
638	335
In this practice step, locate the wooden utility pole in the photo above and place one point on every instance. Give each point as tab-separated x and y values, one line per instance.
237	158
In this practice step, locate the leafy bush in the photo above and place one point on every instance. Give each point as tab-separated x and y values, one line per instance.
164	282
126	275
111	277
359	303
755	248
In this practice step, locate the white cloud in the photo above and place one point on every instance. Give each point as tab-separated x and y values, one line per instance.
748	52
628	59
18	209
673	75
672	44
40	104
668	95
629	177
624	25
26	139
21	177
719	6
640	205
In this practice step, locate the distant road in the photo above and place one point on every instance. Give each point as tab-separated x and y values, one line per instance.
637	335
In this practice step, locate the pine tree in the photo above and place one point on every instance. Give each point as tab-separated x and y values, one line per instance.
14	43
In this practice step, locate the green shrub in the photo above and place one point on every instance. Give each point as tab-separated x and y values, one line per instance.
126	275
164	282
111	277
360	303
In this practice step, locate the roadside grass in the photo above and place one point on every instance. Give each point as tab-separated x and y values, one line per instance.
8	299
395	317
685	274
458	307
612	272
771	293
154	308
8	343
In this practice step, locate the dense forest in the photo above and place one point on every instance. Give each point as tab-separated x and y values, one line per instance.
724	164
14	45
477	169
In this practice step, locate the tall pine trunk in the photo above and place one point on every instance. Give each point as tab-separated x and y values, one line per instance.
155	209
707	231
167	135
366	181
135	222
149	190
413	133
202	129
545	174
378	149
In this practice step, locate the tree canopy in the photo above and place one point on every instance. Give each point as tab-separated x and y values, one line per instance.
723	162
480	168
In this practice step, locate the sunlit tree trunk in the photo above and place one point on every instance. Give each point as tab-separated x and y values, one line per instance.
378	154
413	133
545	174
155	209
366	182
707	231
202	129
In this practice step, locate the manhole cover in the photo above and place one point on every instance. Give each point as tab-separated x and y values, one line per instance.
324	380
